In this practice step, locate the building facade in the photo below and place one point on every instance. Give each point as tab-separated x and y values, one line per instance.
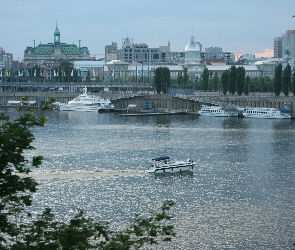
51	53
6	60
286	40
141	53
278	47
111	52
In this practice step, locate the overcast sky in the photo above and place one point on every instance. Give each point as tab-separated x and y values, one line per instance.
240	26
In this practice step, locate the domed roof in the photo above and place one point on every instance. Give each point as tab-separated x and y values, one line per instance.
192	46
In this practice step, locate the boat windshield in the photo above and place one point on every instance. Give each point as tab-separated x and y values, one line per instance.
161	158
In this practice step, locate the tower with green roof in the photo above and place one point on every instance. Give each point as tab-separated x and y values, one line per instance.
51	53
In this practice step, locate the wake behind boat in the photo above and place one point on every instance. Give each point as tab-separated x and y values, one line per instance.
164	164
85	102
266	113
221	111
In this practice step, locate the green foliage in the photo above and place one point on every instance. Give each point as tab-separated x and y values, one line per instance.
232	79
185	76
247	85
179	79
224	81
278	79
286	80
205	78
84	233
18	230
240	80
215	82
293	84
162	79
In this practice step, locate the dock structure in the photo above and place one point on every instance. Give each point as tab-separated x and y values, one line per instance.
159	102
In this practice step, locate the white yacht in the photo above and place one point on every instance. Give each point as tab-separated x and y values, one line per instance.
221	111
164	164
106	106
266	113
85	102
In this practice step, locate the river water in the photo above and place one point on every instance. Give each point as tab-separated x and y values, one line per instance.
241	194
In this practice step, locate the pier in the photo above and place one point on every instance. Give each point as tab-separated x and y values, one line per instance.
159	102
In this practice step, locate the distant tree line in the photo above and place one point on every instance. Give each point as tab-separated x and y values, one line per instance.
234	80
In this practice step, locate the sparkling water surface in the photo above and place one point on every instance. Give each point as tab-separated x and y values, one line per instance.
241	194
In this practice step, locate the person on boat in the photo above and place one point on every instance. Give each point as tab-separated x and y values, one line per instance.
188	160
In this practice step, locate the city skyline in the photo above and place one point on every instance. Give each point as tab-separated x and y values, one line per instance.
242	27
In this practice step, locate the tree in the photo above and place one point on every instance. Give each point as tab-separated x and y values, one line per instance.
210	85
215	81
293	84
247	85
240	80
224	81
185	76
205	77
162	79
179	78
286	79
16	189
232	79
278	79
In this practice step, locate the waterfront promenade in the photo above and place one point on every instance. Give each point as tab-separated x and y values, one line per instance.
180	102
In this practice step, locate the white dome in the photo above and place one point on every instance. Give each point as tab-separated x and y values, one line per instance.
192	46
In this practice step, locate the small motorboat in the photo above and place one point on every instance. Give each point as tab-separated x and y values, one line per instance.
164	164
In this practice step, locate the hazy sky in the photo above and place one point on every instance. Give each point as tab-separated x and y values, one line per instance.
240	26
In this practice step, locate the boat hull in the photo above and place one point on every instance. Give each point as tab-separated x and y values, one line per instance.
267	117
66	107
106	109
265	113
218	115
172	168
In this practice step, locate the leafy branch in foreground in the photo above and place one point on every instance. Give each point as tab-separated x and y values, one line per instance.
18	230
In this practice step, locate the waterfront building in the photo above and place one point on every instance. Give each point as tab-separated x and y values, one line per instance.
51	53
95	69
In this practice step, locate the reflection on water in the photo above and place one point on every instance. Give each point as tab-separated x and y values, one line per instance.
240	196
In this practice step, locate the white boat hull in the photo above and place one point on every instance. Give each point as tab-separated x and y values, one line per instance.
106	109
267	116
176	167
66	107
219	111
265	113
85	102
218	115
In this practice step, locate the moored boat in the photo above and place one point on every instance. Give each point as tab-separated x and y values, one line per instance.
266	113
164	164
106	106
221	111
85	102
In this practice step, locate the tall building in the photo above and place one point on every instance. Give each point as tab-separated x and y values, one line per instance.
286	40
278	47
141	53
6	59
51	53
111	52
215	54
